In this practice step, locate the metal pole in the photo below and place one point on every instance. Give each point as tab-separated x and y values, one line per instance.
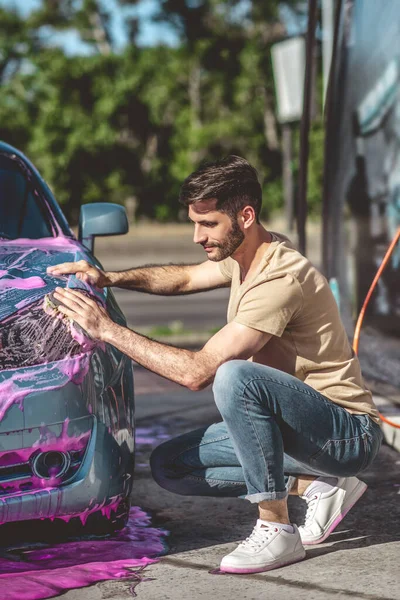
328	24
328	204
305	126
287	172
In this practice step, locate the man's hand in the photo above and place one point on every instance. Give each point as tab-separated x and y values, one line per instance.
194	370
83	271
86	312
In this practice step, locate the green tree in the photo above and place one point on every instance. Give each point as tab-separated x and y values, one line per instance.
114	124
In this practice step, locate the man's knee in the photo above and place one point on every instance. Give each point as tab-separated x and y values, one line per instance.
228	374
229	380
241	381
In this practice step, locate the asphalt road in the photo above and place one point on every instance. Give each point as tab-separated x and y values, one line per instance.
198	312
164	244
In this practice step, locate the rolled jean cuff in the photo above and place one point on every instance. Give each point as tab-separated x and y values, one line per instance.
290	482
254	498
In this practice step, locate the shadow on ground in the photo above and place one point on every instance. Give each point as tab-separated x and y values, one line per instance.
199	522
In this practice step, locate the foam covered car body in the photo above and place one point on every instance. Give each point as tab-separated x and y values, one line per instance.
66	402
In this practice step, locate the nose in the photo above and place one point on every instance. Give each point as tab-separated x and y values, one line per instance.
199	236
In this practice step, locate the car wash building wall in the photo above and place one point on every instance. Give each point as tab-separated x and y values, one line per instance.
362	158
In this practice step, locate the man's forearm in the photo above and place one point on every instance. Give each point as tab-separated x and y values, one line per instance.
190	369
165	280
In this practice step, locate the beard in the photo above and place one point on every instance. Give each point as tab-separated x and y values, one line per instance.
228	247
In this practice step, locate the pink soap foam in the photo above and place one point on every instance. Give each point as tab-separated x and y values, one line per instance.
47	572
75	367
84	340
151	436
47	442
15	389
59	242
27	580
30	283
23	303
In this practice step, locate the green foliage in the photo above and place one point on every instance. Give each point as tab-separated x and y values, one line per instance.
316	167
111	125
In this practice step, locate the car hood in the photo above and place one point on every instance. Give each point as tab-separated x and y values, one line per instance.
38	354
23	277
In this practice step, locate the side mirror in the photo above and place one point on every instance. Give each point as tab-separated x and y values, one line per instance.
101	218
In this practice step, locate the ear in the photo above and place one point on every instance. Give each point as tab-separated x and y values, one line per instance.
247	216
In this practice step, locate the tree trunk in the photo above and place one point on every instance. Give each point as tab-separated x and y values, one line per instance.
195	105
194	94
149	153
100	33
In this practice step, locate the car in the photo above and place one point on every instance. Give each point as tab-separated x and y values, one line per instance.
67	433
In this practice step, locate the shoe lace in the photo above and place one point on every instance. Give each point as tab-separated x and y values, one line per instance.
258	537
311	504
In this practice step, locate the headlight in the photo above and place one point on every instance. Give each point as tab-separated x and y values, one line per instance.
33	337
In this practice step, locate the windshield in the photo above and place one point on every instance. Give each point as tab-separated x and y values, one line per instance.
22	213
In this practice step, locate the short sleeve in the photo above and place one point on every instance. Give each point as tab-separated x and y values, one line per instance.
226	268
270	305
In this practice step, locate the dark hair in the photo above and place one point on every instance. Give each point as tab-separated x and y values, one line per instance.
232	181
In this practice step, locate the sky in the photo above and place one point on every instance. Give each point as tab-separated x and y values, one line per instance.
149	34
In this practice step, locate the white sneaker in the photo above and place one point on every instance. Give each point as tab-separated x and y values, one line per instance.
327	505
268	547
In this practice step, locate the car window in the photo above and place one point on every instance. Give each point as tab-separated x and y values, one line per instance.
21	211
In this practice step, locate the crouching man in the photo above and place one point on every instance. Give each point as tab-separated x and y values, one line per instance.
296	415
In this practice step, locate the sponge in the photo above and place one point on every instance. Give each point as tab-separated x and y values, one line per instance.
51	304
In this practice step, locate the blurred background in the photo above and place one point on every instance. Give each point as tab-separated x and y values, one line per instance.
120	100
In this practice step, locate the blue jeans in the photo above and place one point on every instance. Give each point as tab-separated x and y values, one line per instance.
274	428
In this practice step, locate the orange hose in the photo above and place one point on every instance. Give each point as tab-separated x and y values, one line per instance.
366	301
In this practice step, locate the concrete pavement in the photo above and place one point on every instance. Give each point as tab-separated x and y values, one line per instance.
359	560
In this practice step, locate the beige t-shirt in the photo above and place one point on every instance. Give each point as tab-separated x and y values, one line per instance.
288	298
